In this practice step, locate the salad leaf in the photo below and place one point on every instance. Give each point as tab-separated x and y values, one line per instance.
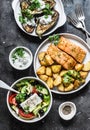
20	97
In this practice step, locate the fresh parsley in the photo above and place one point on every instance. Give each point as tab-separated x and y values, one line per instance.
35	5
22	20
26	13
55	38
19	52
47	10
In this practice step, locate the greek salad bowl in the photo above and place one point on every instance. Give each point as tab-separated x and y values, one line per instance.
32	103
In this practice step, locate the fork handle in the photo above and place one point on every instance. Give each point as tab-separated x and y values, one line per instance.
83	23
84	29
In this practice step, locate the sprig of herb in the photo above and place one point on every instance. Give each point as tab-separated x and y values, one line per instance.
47	10
19	52
26	13
35	5
22	20
55	38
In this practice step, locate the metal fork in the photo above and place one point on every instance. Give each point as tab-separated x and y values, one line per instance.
77	23
81	17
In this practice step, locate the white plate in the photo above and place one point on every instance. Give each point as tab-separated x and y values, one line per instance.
75	39
58	7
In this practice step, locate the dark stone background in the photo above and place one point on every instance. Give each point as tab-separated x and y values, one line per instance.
10	37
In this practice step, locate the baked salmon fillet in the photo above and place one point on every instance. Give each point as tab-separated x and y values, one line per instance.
75	51
61	57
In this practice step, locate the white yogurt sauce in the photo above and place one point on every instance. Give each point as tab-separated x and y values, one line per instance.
31	22
44	20
21	62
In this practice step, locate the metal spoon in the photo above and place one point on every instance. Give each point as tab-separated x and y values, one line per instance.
6	86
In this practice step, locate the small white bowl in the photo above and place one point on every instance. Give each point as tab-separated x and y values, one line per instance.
29	53
34	119
67	110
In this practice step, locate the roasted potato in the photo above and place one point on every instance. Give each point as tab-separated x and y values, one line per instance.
43	62
41	56
55	75
61	88
63	72
50	82
79	67
86	66
82	81
83	74
56	68
57	81
48	60
48	71
76	84
43	77
69	88
41	70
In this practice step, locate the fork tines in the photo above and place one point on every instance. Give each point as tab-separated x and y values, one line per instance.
79	10
73	19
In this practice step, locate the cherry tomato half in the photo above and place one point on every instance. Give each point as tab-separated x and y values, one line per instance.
12	99
24	115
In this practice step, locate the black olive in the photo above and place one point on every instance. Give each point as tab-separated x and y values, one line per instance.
41	112
19	106
40	95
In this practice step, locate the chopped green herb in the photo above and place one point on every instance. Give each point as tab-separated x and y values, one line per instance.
35	5
22	20
26	13
74	74
20	52
47	10
67	79
46	16
47	6
54	38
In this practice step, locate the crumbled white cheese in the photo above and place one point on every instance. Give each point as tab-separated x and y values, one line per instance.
31	102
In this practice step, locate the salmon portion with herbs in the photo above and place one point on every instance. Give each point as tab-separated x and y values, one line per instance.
75	51
61	57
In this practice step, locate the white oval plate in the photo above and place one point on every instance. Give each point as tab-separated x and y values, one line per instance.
59	7
75	39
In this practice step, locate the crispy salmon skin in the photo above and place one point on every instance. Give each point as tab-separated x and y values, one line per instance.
75	51
61	57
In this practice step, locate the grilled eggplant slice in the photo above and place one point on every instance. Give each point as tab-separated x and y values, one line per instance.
50	2
42	27
28	28
24	5
34	9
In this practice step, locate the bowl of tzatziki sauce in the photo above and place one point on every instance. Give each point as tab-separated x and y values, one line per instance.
20	58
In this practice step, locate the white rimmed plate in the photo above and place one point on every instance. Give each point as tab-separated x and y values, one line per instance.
59	7
76	40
